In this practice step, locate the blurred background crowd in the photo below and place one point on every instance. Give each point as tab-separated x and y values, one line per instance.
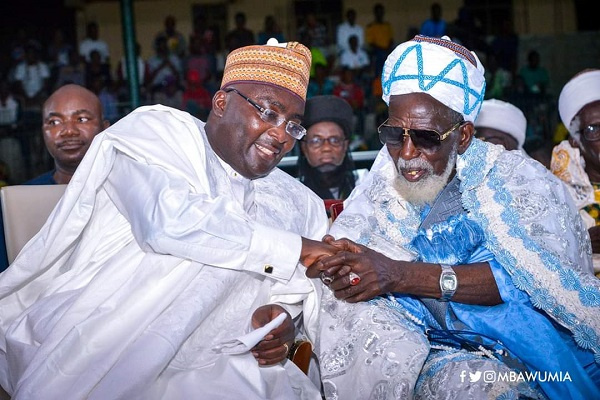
529	49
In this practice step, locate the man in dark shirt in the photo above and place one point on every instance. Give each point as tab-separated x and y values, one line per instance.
71	118
240	36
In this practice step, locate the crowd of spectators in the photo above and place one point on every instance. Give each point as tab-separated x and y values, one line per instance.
185	71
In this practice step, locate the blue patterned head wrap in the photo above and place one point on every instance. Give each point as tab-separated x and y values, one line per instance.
441	68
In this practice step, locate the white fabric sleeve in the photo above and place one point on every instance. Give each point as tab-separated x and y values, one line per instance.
167	217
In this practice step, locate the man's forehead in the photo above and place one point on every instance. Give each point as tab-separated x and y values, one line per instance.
416	104
415	97
592	108
71	105
322	127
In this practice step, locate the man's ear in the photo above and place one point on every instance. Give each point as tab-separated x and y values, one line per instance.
219	102
467	131
574	143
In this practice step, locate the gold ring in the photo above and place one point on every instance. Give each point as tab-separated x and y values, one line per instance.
287	349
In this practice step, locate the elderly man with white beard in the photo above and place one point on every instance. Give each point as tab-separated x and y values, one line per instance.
465	269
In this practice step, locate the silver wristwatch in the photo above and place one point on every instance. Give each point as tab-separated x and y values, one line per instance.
448	282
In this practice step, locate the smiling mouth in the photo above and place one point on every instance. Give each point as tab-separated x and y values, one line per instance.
413	175
271	153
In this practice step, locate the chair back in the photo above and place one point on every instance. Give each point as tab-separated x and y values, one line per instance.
333	207
25	209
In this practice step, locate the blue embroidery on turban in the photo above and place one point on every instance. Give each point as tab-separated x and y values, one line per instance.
433	80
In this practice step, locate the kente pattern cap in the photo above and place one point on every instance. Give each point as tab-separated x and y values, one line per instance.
505	117
447	71
285	65
582	89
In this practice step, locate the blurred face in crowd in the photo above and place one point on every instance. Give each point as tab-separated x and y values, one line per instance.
170	24
424	166
241	138
351	16
497	137
324	146
72	117
92	31
378	11
589	126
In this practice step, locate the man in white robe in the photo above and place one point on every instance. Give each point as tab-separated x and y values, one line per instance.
174	238
576	160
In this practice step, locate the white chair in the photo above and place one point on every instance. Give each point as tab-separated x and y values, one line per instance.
25	209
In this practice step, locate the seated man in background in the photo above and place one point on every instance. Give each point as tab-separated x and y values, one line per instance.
501	123
325	164
577	160
475	260
174	238
71	118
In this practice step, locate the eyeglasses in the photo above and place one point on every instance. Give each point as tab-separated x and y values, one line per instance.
292	128
591	133
316	142
422	138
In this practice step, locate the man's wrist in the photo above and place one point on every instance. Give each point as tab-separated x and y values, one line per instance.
448	282
401	279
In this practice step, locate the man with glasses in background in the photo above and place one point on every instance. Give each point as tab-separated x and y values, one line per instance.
462	264
325	164
577	160
170	268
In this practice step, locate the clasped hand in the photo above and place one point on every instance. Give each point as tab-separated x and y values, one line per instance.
375	271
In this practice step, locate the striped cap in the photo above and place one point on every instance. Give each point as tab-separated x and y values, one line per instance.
286	65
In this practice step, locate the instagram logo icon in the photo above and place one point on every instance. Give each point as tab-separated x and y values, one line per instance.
489	376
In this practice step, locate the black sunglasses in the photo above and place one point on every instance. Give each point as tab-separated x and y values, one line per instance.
393	136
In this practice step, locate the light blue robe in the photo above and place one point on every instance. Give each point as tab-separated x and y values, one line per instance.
540	255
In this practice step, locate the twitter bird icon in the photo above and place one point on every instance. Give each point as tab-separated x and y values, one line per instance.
474	377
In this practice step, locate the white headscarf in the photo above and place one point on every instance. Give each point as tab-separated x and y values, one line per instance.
441	68
505	117
582	89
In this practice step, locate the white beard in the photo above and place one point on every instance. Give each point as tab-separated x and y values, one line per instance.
426	190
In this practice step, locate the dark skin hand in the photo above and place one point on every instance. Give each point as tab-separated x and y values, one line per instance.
594	232
271	349
380	274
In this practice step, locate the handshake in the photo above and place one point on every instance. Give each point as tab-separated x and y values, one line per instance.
352	271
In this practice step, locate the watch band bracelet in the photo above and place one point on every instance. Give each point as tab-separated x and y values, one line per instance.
448	282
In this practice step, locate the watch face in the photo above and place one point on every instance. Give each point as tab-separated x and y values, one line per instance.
449	282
